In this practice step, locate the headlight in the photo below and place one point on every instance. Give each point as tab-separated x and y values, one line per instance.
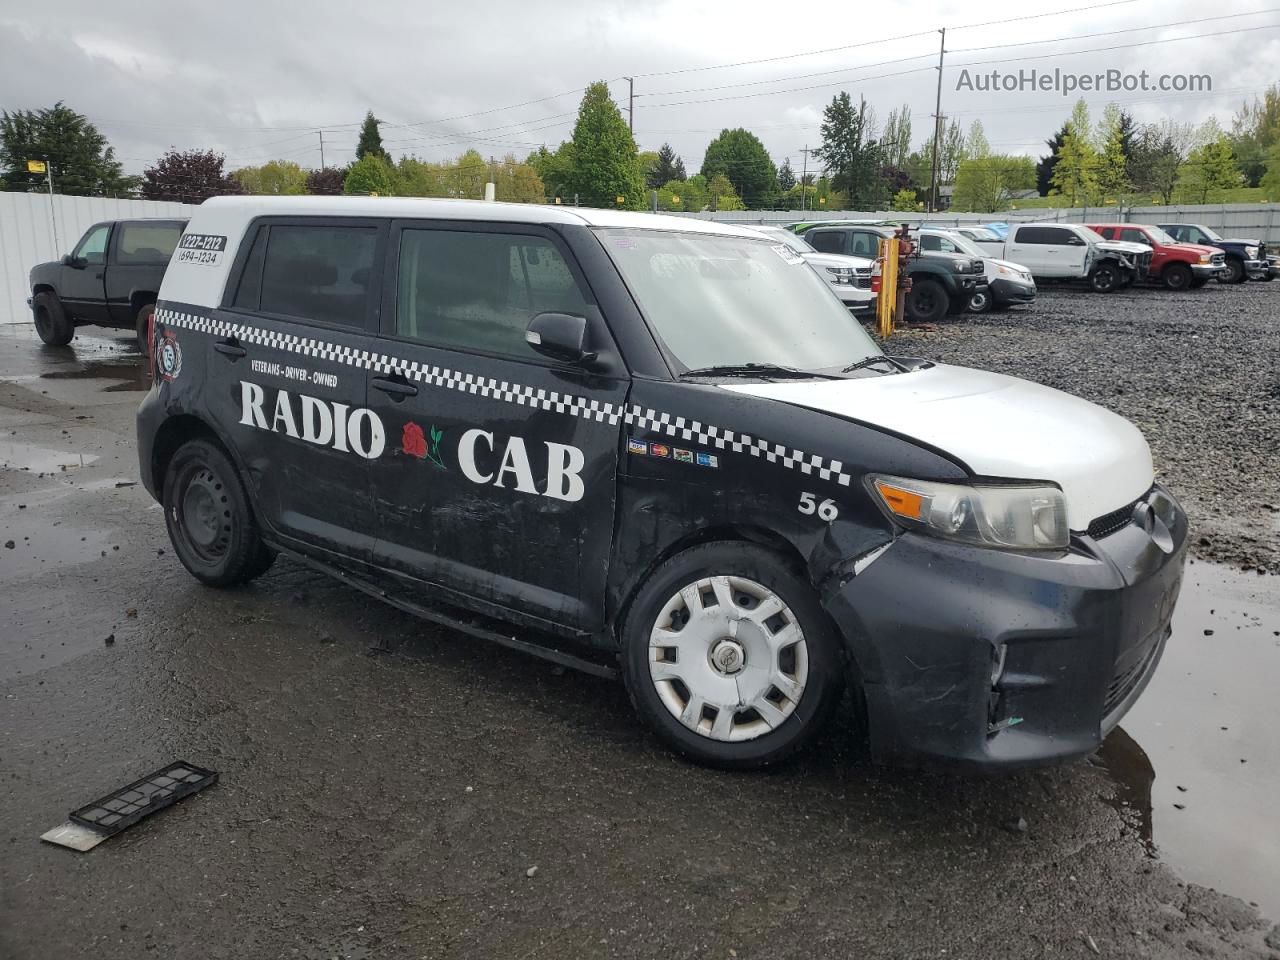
1204	258
1004	271
962	266
841	274
1011	517
1252	252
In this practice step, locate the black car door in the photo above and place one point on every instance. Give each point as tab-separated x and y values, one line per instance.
499	478
287	375
81	286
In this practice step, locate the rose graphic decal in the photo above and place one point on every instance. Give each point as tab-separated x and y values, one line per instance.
415	443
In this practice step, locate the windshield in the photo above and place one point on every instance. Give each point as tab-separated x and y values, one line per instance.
981	233
795	242
1211	234
965	245
717	300
1159	236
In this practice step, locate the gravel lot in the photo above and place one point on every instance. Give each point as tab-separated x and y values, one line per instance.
1198	371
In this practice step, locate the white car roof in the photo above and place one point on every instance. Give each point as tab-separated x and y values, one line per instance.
481	210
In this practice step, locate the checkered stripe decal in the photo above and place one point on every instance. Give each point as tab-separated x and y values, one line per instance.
678	428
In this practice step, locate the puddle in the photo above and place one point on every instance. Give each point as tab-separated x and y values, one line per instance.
25	456
1204	736
130	371
40	546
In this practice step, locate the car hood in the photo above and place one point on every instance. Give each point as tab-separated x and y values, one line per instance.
999	426
1193	248
1247	243
836	260
1123	246
1008	264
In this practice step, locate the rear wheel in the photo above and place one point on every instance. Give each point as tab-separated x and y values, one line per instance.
927	302
980	302
1235	271
1105	278
207	513
141	325
1177	276
729	657
52	323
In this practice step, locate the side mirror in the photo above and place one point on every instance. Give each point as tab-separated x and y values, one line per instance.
68	260
1075	241
561	336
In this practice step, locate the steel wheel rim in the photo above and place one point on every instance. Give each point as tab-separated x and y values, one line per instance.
728	658
978	303
202	512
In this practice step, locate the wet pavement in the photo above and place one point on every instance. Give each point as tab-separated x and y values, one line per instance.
388	785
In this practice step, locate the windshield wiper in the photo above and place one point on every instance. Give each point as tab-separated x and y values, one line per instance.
872	361
755	370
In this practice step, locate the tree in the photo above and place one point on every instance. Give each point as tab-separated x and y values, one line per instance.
904	200
786	176
976	144
418	178
370	175
985	183
466	177
1255	130
849	151
1075	175
554	169
371	139
1158	152
954	151
325	182
1210	170
274	178
1113	163
741	157
517	182
721	195
84	164
897	137
604	154
190	176
670	167
683	195
647	161
1270	182
1044	169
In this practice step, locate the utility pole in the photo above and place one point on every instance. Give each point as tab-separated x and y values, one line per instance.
53	219
631	105
937	126
804	175
321	132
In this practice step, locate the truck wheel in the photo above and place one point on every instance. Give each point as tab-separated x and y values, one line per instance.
207	513
729	658
980	302
927	302
141	324
1235	271
1105	278
52	323
1177	276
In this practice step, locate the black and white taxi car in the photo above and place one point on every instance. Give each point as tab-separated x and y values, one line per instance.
664	441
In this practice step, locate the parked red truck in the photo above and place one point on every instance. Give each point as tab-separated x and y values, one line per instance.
1179	266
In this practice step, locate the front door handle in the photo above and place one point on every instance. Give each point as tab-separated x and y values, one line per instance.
398	387
230	348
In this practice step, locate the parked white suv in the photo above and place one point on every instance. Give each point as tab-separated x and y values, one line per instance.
1067	251
850	277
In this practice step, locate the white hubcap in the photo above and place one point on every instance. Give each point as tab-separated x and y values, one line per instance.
728	658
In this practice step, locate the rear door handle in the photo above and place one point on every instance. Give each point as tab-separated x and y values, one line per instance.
397	387
230	348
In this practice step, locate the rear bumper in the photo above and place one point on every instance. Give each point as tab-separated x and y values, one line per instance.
1012	291
989	660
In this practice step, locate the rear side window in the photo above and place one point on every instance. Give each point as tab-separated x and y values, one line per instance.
250	289
147	243
865	245
1045	235
314	273
478	291
827	241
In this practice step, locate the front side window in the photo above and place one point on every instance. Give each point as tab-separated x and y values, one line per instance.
827	241
318	272
478	291
93	248
1134	236
150	243
716	300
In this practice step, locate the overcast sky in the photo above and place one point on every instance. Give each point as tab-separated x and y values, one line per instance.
256	80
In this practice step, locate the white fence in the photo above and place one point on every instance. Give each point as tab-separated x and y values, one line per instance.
1258	221
29	224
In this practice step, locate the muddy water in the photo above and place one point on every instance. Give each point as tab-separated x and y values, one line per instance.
1198	757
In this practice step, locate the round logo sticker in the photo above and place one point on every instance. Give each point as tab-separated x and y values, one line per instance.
169	357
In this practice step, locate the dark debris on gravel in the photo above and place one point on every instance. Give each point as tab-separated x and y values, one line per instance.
1198	372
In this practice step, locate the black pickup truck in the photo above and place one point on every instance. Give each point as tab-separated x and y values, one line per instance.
110	279
1246	259
941	283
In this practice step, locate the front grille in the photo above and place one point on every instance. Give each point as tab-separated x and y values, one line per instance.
1109	523
1262	252
1218	259
979	267
1144	262
862	278
1127	678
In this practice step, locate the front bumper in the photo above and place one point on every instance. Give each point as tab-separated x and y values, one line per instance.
991	660
1273	269
1208	271
1004	290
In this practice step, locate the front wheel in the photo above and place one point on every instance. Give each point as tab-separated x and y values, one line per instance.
1177	276
1235	271
729	657
980	302
1104	278
210	522
927	302
52	323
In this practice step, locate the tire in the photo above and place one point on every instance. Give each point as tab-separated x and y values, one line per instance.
1235	271
1105	278
722	651
1198	282
981	302
140	326
52	323
1177	276
210	522
927	302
